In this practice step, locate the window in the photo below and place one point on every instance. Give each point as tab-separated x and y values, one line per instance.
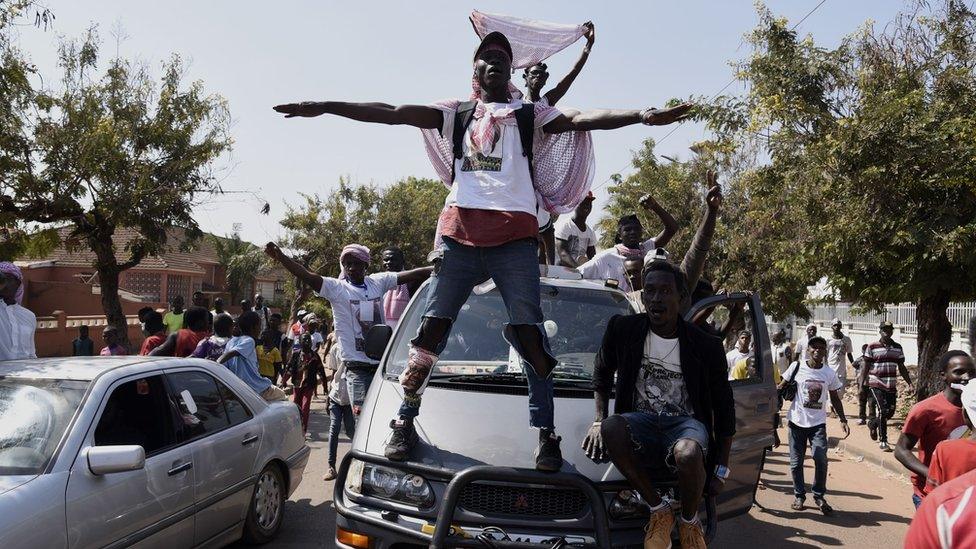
144	284
199	402
735	324
236	410
138	412
177	285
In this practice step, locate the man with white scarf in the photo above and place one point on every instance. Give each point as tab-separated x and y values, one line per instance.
17	324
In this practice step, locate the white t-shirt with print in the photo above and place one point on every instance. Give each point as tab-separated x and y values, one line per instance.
500	179
813	386
578	241
660	383
609	264
837	350
355	309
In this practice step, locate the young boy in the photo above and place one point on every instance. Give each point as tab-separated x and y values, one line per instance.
955	457
933	420
184	341
82	345
111	338
269	357
212	347
340	414
305	378
174	317
241	358
154	330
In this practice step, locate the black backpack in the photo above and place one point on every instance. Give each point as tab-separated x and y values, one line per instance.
524	119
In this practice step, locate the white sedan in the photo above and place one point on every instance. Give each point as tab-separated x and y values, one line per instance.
153	452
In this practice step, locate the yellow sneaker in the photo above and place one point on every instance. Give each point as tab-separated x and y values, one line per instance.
657	533
691	535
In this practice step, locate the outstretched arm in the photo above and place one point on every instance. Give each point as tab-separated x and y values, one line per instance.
419	116
693	263
557	93
670	225
414	276
298	270
166	348
607	119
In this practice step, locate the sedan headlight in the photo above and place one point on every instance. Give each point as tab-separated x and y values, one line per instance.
367	479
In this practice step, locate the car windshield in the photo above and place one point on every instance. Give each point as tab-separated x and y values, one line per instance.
34	414
575	321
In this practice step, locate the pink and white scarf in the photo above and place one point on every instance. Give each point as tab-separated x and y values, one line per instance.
532	41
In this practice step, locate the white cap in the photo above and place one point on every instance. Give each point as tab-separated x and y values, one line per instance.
811	325
836	321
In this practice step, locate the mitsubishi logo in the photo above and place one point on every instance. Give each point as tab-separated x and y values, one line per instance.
521	502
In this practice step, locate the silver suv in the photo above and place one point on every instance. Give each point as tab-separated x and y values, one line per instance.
472	473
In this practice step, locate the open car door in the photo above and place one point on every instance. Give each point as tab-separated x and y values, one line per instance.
754	391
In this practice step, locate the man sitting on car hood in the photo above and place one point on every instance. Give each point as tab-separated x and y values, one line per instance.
673	405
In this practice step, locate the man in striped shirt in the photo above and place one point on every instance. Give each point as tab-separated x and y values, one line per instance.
883	361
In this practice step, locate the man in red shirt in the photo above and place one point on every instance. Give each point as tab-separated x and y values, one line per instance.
155	332
955	457
947	517
488	227
933	420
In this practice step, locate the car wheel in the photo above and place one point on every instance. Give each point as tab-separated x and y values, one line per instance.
267	506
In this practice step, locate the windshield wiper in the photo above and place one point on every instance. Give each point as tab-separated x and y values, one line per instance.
571	376
500	377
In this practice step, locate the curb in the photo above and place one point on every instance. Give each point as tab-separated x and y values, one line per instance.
886	460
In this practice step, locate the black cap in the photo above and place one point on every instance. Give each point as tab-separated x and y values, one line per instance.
886	324
494	37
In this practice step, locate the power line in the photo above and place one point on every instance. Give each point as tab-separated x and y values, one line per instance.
716	94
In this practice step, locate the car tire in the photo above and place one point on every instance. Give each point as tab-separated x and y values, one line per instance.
267	506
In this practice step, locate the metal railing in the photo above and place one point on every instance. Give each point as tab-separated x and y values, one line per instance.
903	315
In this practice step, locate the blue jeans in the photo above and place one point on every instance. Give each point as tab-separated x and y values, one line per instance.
916	501
339	415
655	435
514	268
359	376
816	436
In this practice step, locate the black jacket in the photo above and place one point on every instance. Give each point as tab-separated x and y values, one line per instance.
703	365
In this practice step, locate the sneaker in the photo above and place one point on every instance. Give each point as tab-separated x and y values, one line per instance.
402	440
548	457
797	504
330	474
862	422
308	436
825	508
657	533
873	429
884	446
691	534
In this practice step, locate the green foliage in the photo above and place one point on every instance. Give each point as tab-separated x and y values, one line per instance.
241	261
403	215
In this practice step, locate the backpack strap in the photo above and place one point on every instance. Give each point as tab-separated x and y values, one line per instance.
462	119
525	118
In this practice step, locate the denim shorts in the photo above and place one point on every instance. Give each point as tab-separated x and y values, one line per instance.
655	435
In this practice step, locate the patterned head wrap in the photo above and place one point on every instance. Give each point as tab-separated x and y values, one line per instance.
7	267
358	251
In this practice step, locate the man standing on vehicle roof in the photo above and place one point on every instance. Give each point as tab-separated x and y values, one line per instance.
673	405
488	228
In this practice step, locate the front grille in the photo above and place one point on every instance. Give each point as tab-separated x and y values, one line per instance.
492	499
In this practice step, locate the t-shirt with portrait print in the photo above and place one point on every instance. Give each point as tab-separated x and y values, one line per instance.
356	309
813	386
661	386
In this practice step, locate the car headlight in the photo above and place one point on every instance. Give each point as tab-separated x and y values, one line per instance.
367	479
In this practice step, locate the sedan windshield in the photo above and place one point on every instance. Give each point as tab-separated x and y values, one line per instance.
575	320
34	414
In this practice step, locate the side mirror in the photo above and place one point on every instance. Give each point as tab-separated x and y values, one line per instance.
377	339
103	460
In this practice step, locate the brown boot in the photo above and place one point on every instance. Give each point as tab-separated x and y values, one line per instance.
657	533
691	535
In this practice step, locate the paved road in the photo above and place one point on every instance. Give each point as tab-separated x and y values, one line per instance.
873	507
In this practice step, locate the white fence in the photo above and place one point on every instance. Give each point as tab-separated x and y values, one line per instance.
863	328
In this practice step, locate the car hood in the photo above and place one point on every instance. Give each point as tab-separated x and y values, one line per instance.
462	428
9	482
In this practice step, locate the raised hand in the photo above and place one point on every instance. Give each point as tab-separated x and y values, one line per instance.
714	196
590	33
647	202
663	117
272	250
305	109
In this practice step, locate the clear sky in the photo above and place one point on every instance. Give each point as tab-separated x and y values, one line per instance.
258	54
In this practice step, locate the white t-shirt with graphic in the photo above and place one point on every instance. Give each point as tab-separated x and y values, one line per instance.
355	309
837	350
577	241
499	179
813	386
660	384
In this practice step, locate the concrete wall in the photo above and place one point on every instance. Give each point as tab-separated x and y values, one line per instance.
56	332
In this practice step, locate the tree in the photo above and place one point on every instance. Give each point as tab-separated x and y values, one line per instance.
241	262
107	151
403	215
869	161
